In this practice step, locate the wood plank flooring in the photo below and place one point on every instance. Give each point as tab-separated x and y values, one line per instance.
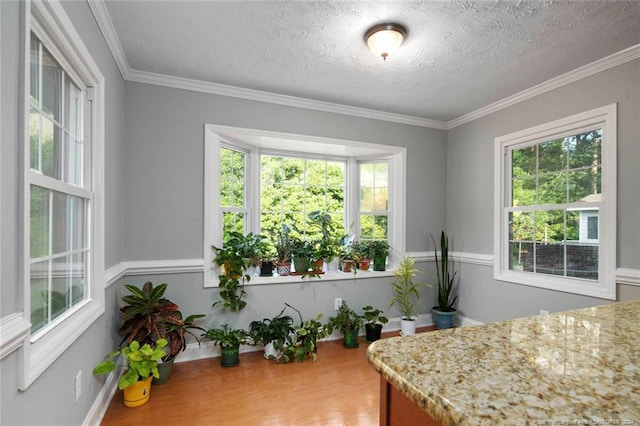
340	388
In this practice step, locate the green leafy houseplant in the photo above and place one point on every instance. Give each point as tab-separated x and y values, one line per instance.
229	340
148	316
277	331
405	290
236	254
446	290
347	322
142	362
379	250
373	321
305	338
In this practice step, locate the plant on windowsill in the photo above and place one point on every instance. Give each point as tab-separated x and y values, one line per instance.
379	250
148	316
229	340
234	258
346	253
348	323
283	250
274	333
142	364
373	321
405	294
304	344
444	312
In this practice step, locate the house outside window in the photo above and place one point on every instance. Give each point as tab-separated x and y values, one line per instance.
550	180
283	178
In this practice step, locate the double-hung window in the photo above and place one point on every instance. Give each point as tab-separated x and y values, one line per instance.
555	204
256	181
63	180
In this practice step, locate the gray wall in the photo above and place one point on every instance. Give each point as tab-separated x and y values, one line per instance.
164	171
53	392
470	188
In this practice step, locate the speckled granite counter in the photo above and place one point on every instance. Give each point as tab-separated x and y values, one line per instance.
567	368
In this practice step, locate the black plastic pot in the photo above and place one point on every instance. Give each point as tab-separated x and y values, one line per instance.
373	332
266	268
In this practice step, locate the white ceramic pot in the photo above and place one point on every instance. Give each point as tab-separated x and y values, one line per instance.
408	327
270	352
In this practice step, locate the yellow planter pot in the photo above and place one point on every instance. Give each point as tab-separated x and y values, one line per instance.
138	393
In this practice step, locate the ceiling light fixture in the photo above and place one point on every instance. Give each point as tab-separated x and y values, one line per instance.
384	39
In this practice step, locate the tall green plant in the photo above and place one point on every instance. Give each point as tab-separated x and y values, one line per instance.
446	296
405	290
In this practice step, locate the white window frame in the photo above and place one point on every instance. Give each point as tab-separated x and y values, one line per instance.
605	118
217	136
54	28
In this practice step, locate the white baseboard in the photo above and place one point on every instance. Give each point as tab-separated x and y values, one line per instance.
101	404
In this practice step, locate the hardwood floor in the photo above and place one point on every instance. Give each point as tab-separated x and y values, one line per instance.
340	388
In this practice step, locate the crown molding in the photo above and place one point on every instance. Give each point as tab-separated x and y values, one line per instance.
595	67
274	98
100	12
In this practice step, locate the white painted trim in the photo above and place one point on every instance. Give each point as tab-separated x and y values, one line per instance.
154	267
456	256
114	273
462	321
628	276
99	10
101	404
603	64
14	330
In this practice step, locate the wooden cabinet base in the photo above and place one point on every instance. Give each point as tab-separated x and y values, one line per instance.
397	409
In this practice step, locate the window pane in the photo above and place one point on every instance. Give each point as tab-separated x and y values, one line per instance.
34	139
316	172
524	162
550	247
35	71
573	225
335	174
293	170
381	175
271	198
293	196
381	199
271	170
552	188
39	285
366	227
366	175
75	164
51	86
584	185
551	156
335	199
582	260
68	223
585	149
521	237
232	222
523	192
39	222
380	227
72	108
52	149
366	199
232	178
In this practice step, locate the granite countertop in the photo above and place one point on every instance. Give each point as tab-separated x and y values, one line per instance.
578	367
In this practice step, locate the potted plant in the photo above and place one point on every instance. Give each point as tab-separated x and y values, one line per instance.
346	253
235	256
267	262
283	250
373	321
148	316
303	253
326	246
142	363
405	294
379	250
274	333
362	254
444	312
348	323
229	340
304	343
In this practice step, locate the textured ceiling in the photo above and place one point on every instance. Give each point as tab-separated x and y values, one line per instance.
459	55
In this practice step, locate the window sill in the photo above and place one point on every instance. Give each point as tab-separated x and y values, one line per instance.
327	276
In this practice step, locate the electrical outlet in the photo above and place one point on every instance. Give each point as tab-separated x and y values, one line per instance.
78	385
337	303
543	312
